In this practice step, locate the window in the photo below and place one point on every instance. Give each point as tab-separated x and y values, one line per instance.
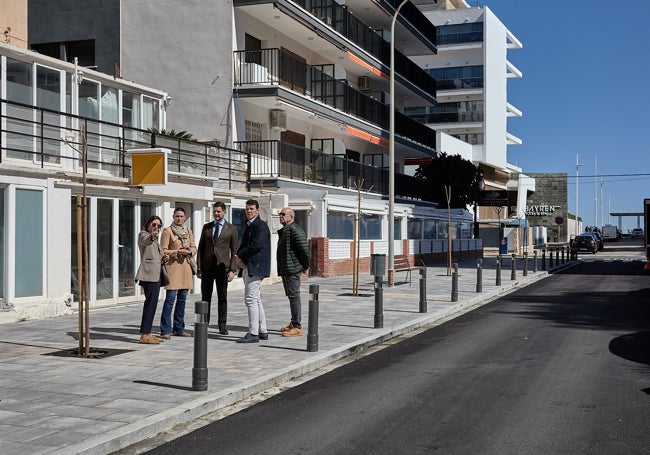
89	99
29	235
130	110
19	81
48	88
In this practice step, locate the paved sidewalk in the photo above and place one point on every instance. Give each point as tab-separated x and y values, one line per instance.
58	404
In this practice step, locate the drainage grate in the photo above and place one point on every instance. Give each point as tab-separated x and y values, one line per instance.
95	353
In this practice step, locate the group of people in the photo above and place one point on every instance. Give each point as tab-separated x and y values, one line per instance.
219	257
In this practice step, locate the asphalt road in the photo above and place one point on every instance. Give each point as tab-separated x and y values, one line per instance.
560	367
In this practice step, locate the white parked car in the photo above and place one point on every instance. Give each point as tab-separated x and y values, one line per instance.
637	233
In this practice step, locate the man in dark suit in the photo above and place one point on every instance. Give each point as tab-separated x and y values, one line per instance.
254	257
216	261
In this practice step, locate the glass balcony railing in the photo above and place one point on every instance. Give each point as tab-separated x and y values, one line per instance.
32	136
273	159
273	66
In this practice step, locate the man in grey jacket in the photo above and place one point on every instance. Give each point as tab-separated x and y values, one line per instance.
293	259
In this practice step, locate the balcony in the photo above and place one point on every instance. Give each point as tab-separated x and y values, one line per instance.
344	27
35	137
275	67
274	159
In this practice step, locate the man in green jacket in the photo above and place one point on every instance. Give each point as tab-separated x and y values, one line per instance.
293	259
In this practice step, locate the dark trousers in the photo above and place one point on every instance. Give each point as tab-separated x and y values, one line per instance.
216	275
151	293
292	290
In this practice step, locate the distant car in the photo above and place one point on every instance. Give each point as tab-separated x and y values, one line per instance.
585	242
637	233
599	238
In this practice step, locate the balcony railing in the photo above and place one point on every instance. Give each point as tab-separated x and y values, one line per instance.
273	159
273	66
32	136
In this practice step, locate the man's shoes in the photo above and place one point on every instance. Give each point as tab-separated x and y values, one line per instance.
166	336
287	328
147	338
182	334
222	329
264	335
248	338
292	332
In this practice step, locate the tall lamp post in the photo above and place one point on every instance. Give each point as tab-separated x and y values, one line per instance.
577	185
391	153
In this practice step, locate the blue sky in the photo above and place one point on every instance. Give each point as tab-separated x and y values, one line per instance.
585	91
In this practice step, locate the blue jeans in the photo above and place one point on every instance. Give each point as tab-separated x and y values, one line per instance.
179	312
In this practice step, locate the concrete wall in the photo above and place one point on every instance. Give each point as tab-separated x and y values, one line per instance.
13	22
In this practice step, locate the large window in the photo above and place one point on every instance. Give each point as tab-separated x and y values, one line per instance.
29	236
126	248
340	225
2	243
19	81
48	88
130	110
89	99
104	263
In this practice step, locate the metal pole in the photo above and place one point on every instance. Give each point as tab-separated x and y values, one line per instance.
543	259
391	152
525	263
550	260
479	275
379	302
454	282
557	257
513	267
535	261
200	369
423	289
498	281
562	255
312	328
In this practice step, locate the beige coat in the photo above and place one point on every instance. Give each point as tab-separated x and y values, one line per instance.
180	272
151	255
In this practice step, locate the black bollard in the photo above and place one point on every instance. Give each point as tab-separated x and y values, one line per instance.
379	302
535	261
454	282
557	257
200	369
312	328
479	275
513	267
525	264
498	281
550	259
423	289
543	259
562	255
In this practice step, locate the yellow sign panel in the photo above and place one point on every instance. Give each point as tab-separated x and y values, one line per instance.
149	167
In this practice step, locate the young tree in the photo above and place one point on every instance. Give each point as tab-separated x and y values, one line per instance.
454	171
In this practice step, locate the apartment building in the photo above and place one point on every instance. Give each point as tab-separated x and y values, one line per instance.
473	71
303	87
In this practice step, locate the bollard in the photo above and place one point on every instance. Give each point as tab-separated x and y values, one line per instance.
513	267
454	282
525	264
312	328
543	259
550	259
498	281
562	255
423	289
557	257
479	275
379	302
200	369
535	261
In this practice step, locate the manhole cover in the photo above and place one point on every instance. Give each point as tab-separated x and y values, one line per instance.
94	353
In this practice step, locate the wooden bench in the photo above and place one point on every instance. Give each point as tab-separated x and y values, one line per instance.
402	264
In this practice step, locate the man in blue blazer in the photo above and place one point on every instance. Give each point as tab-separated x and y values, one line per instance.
254	258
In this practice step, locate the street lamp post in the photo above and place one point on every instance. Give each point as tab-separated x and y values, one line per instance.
391	153
577	185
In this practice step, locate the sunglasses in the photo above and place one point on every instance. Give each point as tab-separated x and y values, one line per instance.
156	225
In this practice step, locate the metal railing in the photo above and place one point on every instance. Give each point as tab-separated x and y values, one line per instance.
273	159
273	66
31	135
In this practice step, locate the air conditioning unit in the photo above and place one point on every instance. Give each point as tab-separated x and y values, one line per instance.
364	83
278	120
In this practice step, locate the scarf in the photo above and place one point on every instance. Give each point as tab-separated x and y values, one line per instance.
184	235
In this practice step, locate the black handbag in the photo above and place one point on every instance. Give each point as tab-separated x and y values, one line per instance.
164	275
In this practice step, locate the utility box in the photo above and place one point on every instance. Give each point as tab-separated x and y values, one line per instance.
378	264
503	248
